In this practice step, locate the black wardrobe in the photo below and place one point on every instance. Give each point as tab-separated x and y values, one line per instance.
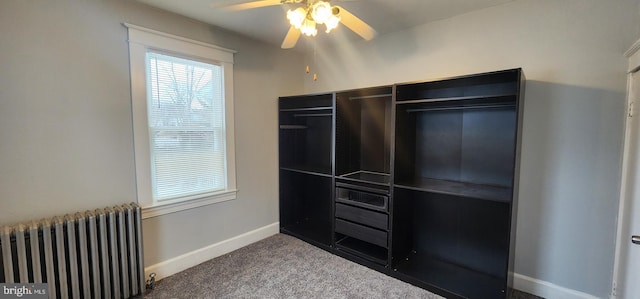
415	180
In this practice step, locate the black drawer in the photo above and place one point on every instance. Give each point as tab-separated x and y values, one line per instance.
353	196
361	232
364	216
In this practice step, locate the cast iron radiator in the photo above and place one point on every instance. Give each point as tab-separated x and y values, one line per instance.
93	254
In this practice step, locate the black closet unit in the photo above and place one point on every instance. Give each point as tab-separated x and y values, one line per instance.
416	180
363	134
455	170
306	168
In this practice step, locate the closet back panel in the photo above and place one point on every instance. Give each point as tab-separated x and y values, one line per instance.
488	146
439	144
461	231
374	124
305	205
363	134
474	146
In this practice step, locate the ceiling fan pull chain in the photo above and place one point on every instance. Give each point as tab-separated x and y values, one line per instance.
315	59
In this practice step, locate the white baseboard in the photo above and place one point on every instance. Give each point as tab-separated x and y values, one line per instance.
546	289
198	256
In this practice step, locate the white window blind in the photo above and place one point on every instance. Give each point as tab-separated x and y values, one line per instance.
185	106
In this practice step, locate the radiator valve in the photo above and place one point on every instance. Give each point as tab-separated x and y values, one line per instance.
151	282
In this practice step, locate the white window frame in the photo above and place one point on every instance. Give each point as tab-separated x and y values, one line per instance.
141	40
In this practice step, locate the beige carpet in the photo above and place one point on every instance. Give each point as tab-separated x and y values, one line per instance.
284	267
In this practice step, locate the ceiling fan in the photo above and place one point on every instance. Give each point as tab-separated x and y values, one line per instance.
304	19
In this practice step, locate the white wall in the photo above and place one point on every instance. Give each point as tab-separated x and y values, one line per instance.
572	55
66	140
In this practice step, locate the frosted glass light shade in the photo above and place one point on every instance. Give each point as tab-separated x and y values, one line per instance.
321	12
332	22
297	17
309	28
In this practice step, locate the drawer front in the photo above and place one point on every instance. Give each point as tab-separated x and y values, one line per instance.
362	198
359	215
361	232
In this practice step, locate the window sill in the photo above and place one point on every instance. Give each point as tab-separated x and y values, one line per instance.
172	207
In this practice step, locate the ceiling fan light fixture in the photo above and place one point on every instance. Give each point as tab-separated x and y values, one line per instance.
297	17
321	12
332	22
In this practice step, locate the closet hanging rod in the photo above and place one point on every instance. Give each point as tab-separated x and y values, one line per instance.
307	109
458	108
371	96
292	127
312	114
448	99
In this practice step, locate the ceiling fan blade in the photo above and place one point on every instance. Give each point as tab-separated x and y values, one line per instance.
291	39
356	24
250	5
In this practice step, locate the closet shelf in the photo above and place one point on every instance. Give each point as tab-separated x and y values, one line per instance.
367	177
459	280
308	169
362	249
470	190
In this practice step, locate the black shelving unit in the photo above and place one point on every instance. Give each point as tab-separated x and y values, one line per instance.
362	181
306	167
454	178
416	180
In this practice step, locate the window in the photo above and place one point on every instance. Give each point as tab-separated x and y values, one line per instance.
182	103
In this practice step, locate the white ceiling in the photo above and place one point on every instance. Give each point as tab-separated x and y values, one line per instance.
269	24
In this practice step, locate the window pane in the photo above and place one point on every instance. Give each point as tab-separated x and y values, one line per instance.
186	126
